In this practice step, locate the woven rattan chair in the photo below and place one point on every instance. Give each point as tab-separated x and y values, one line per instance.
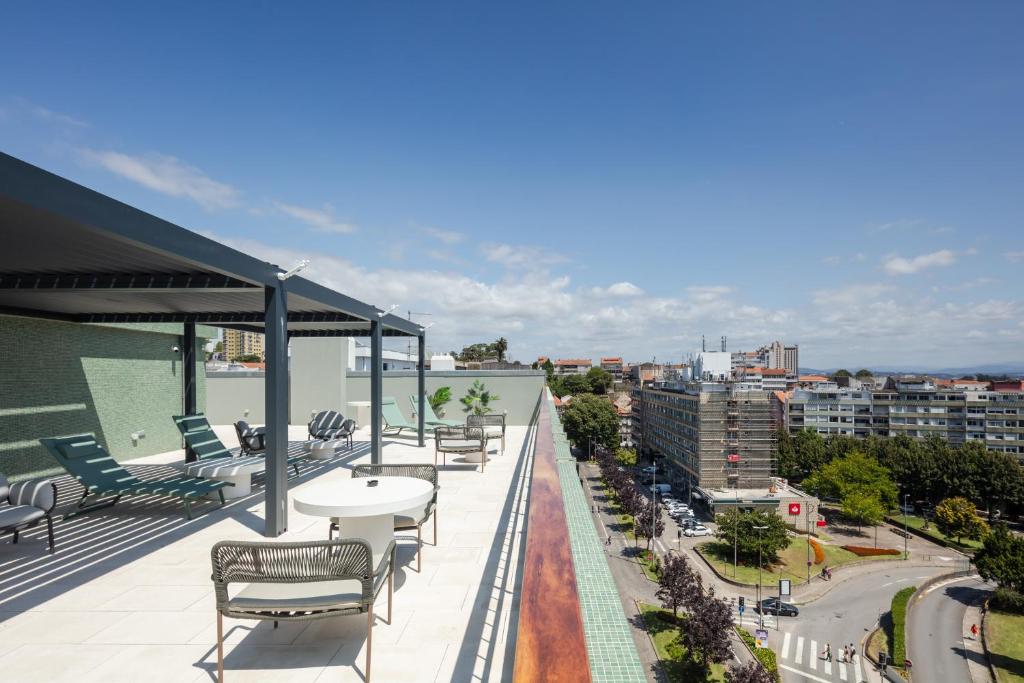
299	581
493	426
463	440
416	518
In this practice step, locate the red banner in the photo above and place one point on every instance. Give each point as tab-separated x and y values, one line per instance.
794	508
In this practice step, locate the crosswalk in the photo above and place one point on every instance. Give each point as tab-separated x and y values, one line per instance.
804	656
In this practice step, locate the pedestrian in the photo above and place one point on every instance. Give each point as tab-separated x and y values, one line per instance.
974	631
827	653
844	657
853	651
608	540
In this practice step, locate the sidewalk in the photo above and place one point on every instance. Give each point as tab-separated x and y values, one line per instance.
976	655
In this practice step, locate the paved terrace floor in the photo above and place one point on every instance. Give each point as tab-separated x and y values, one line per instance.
128	595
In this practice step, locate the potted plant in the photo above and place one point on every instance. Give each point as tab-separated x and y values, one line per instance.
478	399
440	397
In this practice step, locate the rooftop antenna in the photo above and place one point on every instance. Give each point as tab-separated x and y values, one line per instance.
703	344
723	342
301	264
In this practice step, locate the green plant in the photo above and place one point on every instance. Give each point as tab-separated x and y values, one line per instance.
956	517
478	399
898	647
764	655
439	398
1008	600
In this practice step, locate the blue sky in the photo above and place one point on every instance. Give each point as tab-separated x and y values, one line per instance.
585	179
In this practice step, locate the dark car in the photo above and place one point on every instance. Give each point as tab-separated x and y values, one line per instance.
778	608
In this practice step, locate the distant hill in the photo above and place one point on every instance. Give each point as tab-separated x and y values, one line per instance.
1009	368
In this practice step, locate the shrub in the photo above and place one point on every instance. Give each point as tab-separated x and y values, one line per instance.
764	655
899	624
861	551
819	554
1008	600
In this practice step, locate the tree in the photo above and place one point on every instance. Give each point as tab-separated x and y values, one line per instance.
810	451
549	368
708	629
1000	478
751	672
591	417
853	472
600	380
864	373
736	526
478	399
247	358
956	517
842	372
679	585
1001	559
218	347
863	507
909	464
648	522
840	445
625	457
500	347
577	384
476	352
786	455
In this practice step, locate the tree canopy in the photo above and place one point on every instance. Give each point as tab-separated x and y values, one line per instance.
591	417
736	526
1001	559
854	473
956	517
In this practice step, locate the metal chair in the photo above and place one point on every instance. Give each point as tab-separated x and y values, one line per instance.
492	424
298	582
28	504
463	440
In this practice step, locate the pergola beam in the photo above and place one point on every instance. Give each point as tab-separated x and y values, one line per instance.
214	318
122	282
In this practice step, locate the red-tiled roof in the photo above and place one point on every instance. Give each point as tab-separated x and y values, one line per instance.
813	378
611	360
573	361
1013	385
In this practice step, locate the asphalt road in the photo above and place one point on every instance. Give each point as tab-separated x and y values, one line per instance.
935	626
842	616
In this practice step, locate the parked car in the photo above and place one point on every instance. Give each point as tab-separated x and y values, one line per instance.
697	530
777	607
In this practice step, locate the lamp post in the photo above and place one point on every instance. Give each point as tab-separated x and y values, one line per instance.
807	523
760	607
905	534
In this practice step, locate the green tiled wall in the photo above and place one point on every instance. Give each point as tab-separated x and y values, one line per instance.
61	378
610	646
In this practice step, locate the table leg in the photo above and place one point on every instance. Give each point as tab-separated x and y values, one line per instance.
242	486
378	531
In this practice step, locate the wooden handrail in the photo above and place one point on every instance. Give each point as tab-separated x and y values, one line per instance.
550	645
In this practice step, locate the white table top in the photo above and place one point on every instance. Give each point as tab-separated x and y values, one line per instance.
226	467
360	404
353	498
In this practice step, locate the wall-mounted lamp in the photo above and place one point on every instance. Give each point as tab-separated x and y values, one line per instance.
175	349
384	313
302	264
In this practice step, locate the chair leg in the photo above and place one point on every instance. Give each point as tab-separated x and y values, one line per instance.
435	527
419	549
220	647
369	640
49	532
275	623
15	535
391	593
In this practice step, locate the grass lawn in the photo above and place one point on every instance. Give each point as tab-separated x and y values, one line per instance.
647	567
792	565
1004	634
675	659
915	522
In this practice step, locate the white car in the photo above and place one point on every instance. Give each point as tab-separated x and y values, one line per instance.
699	530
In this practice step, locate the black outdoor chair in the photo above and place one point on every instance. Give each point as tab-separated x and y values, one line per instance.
27	503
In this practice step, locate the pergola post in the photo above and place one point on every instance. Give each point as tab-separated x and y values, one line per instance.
276	387
188	378
376	390
421	387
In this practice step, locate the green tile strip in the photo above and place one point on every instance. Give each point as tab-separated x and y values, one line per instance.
610	647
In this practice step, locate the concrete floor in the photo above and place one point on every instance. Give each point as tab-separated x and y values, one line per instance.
128	595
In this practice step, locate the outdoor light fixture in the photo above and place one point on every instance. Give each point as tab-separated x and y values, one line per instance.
424	328
175	349
301	265
384	313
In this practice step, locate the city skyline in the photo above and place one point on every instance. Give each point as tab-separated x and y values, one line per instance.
843	178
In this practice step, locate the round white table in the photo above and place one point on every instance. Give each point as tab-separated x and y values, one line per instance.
322	450
362	409
235	471
363	511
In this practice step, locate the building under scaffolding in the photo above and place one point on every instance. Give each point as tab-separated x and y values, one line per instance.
713	435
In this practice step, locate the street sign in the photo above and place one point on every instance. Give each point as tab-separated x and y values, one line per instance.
741	608
784	587
760	638
794	508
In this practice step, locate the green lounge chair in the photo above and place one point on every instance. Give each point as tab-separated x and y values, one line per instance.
431	418
200	437
394	421
101	475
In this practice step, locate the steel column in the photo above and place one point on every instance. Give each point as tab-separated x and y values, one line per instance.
276	386
376	391
188	378
421	388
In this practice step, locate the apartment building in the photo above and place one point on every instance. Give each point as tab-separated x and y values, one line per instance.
713	435
238	343
572	366
914	407
614	366
763	379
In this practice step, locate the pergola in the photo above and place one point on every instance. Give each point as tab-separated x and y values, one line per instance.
69	253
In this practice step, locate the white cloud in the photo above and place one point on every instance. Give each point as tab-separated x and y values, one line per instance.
47	115
167	175
321	220
1014	256
449	237
519	256
627	289
898	265
831	260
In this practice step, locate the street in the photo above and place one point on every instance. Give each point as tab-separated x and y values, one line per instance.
935	629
